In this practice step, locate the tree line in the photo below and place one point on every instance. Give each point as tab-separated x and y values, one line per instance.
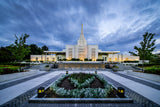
20	51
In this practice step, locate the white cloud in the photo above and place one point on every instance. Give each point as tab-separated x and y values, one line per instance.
157	41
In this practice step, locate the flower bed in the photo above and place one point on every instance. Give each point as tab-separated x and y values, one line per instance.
84	86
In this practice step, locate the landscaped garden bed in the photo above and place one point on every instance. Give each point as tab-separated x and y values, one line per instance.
80	88
80	85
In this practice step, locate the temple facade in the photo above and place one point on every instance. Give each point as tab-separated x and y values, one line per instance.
83	52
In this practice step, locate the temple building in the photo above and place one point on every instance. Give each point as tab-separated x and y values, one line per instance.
83	52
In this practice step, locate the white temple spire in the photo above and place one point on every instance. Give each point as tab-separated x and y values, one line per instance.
82	41
82	29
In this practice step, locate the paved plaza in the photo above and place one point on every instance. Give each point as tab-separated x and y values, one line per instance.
140	90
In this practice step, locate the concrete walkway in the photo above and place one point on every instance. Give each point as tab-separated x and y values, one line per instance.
10	83
152	77
19	75
150	83
146	91
12	92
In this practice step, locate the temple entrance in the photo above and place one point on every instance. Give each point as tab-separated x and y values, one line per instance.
104	58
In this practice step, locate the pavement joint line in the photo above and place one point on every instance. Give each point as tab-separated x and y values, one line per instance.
130	93
15	82
149	81
139	81
150	93
23	98
19	78
7	93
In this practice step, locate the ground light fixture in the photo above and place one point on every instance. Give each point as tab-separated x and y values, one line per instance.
121	92
66	72
95	72
40	92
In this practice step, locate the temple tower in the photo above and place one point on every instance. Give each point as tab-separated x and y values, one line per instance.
82	41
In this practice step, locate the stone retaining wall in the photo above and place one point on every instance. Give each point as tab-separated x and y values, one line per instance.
81	65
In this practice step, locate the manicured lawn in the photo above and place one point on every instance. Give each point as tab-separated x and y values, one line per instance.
7	69
155	69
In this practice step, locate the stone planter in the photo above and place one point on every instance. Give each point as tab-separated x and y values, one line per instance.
47	68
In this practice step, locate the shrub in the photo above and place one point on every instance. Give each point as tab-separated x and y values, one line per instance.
74	59
47	66
77	84
80	77
86	59
153	70
9	70
99	60
145	65
64	59
114	66
1	71
131	61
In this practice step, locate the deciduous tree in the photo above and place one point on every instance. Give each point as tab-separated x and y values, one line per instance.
147	46
19	49
44	48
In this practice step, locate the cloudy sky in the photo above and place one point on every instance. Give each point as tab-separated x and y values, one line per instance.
114	25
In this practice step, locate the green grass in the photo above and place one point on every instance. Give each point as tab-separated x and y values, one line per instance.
8	66
154	66
152	69
6	69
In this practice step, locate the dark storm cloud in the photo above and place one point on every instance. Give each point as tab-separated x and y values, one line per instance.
113	25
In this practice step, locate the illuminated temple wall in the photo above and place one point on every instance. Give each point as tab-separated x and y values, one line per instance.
121	57
49	58
81	51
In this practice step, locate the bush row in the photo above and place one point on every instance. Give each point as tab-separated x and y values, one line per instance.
153	70
10	70
131	61
140	65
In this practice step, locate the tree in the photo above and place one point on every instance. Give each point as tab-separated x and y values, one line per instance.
147	47
35	50
5	55
44	48
19	49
